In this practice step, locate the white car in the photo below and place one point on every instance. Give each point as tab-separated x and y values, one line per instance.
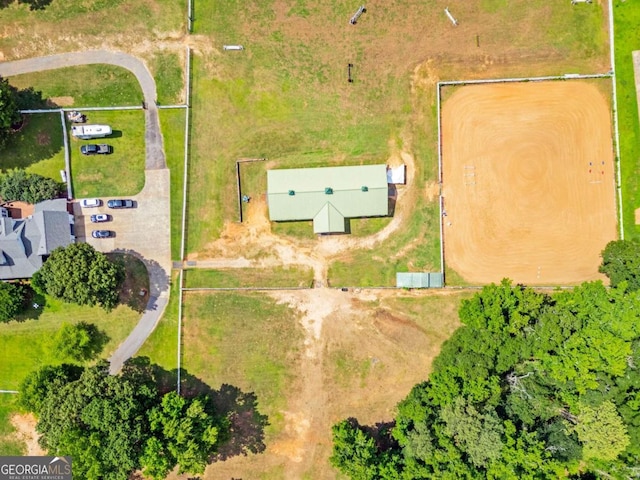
90	202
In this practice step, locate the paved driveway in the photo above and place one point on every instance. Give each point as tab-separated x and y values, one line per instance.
143	231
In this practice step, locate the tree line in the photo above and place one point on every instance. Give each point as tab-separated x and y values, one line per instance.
532	386
114	425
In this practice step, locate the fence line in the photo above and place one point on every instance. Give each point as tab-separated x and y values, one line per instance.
615	119
9	391
167	107
246	289
189	16
440	183
67	155
179	334
566	76
184	211
187	100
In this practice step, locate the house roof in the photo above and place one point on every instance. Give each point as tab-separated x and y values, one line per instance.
327	195
25	242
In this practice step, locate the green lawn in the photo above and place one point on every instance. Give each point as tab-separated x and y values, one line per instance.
172	123
38	147
167	69
245	340
84	86
8	446
118	174
249	277
162	345
627	19
26	344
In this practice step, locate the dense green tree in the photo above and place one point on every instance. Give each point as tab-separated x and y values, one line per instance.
532	386
354	451
39	384
9	113
113	425
11	300
80	274
19	185
601	431
185	433
477	434
79	342
99	419
621	263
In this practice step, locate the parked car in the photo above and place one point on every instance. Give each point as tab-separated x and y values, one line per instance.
118	203
90	202
96	149
102	234
101	217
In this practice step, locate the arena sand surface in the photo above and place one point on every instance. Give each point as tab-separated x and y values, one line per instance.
528	182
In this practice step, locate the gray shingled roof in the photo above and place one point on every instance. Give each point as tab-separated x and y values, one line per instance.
328	195
24	242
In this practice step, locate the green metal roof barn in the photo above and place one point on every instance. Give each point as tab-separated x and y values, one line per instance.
328	195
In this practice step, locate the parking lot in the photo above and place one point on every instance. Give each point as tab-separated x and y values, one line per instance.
141	229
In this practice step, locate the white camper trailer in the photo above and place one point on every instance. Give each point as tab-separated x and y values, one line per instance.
86	132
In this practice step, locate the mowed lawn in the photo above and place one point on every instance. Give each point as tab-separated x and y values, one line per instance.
9	444
83	86
172	123
627	18
26	345
118	174
37	147
273	277
286	97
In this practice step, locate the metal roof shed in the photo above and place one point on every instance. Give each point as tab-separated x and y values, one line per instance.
419	280
328	195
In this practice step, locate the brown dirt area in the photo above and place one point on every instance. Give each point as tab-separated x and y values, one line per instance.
25	426
528	182
361	354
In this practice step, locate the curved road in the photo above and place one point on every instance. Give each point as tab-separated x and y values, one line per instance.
150	239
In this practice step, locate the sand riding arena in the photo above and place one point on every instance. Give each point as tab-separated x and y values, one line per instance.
528	181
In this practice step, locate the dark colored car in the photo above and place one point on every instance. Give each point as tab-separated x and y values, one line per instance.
116	203
102	234
101	217
93	149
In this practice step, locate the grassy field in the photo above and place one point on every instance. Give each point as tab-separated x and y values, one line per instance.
84	86
8	444
68	25
250	277
26	344
286	98
245	340
167	71
627	18
172	124
38	147
118	174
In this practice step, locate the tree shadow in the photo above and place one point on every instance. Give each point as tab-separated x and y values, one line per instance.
159	280
34	304
381	433
33	4
99	339
246	424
